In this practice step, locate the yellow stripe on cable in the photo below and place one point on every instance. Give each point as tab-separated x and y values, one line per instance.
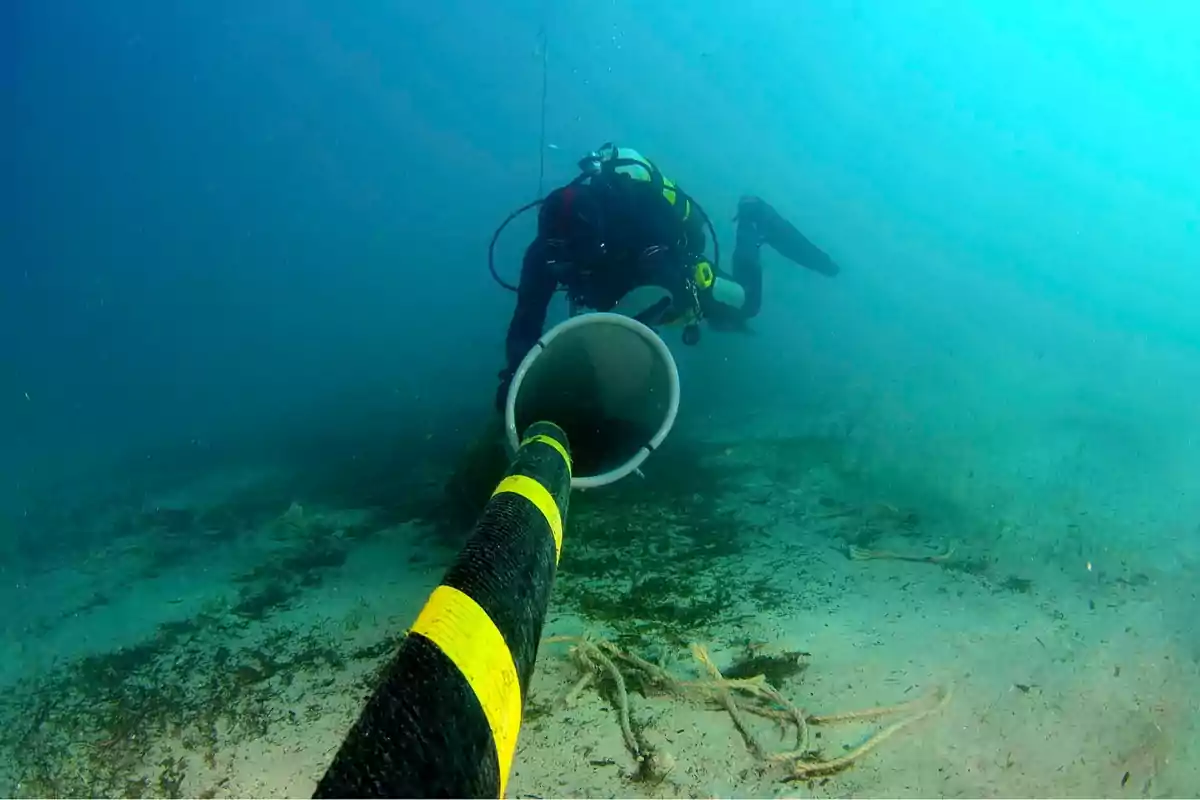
542	500
544	439
466	634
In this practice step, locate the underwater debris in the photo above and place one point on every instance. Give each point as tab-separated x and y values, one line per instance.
856	553
602	664
774	668
1017	584
804	766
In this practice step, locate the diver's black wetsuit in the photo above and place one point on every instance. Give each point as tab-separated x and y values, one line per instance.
600	240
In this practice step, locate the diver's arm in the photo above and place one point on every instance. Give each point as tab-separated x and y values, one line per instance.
557	228
534	292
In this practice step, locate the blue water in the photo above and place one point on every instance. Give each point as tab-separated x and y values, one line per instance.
243	266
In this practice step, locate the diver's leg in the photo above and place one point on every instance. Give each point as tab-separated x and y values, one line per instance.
747	262
783	236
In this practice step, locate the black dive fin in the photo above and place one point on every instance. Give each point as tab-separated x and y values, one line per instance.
784	238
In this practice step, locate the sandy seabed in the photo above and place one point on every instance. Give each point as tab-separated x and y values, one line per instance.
233	668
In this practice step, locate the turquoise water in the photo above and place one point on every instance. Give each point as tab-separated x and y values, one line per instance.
250	340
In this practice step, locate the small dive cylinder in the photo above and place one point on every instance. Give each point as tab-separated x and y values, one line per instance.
728	292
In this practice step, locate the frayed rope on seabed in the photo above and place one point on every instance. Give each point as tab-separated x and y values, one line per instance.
597	659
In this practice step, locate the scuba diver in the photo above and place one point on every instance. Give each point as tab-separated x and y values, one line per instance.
621	225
